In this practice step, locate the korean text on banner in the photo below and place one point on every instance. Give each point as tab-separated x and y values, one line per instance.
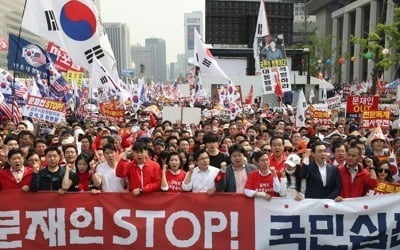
44	109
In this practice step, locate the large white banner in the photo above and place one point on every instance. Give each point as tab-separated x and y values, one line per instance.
360	223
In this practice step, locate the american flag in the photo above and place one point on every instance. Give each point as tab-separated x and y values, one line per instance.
11	113
21	91
39	57
5	110
57	86
16	113
57	81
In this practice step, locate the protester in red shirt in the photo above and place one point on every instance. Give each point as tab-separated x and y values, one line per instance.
278	157
143	174
17	176
263	182
172	175
356	180
84	172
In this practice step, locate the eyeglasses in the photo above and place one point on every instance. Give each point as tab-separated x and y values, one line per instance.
383	170
288	150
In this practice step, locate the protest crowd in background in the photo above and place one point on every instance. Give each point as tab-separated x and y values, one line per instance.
61	132
260	153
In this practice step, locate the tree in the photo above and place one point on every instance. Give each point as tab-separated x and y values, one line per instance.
382	47
321	52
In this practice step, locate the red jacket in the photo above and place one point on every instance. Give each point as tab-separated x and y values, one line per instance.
148	178
8	182
360	185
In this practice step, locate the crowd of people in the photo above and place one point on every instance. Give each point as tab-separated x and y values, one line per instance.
251	155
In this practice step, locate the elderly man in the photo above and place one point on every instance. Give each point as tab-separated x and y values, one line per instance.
356	180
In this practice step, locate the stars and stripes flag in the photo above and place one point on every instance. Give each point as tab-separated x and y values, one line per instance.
4	108
16	112
59	89
12	112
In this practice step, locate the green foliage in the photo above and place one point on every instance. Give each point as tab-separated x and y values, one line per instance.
385	36
320	49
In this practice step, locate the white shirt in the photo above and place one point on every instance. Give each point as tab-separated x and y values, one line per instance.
110	182
240	178
290	191
353	173
201	181
322	171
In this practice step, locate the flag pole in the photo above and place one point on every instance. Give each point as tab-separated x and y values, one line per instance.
13	99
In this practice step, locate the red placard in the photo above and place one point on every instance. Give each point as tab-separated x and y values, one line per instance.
63	61
359	104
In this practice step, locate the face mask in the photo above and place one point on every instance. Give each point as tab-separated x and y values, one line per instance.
290	172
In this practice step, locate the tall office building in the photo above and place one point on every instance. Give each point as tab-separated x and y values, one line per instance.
159	65
118	34
304	25
343	19
143	59
10	22
193	20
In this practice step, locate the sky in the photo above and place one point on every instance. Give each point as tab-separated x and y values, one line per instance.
153	19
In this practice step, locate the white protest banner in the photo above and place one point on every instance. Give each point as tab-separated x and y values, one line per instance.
357	223
334	102
172	114
44	109
184	115
191	115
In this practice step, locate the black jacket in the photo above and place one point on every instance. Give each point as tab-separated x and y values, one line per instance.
45	180
314	186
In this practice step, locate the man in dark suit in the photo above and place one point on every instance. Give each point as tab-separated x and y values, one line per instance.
322	179
235	176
